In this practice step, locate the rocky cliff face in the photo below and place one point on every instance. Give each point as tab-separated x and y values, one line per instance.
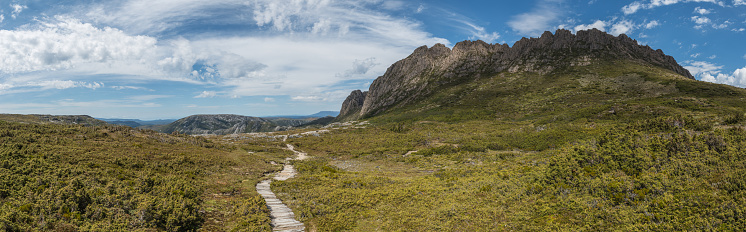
352	105
426	69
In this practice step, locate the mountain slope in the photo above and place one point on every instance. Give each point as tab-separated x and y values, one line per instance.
52	119
219	124
428	71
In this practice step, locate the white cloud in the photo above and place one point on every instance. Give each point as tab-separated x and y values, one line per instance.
739	2
65	43
308	98
695	55
206	94
650	4
58	84
538	20
712	57
393	5
152	17
420	9
738	78
340	18
17	8
120	87
712	73
480	33
652	24
299	67
2	18
142	98
67	103
722	25
359	67
600	25
622	27
700	20
699	67
269	99
617	28
632	8
702	11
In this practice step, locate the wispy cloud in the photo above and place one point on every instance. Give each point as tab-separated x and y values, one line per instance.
699	67
616	27
308	98
359	67
123	87
17	9
340	18
650	4
207	94
538	20
652	24
598	24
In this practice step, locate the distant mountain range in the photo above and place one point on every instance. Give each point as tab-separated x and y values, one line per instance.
227	123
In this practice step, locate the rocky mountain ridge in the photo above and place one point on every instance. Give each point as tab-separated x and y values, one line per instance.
218	124
428	69
223	124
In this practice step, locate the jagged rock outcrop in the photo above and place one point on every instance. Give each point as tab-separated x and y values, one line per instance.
428	69
220	124
352	105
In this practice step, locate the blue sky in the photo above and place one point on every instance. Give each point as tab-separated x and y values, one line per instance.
151	59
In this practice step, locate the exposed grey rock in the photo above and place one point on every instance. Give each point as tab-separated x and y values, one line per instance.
220	124
352	105
428	69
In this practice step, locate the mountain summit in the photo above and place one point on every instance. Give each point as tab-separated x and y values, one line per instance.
429	69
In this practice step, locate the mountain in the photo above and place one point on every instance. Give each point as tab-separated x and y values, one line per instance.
52	119
227	123
220	124
428	71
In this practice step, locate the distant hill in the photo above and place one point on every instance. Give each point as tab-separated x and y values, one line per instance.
320	114
52	119
137	122
219	124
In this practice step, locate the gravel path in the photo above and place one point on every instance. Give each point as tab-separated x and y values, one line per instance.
283	218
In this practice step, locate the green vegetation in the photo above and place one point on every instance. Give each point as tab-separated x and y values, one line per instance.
610	146
114	178
588	148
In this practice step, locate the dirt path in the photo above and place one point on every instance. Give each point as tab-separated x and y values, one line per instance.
283	218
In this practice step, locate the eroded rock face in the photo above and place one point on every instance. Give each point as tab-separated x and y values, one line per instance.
426	69
352	105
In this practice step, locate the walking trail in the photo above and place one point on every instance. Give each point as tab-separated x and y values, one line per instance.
283	218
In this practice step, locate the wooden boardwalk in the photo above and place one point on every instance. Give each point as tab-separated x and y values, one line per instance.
283	218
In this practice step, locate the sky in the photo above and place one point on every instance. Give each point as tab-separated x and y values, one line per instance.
167	59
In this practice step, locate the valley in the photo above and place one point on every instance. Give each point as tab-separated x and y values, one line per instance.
566	132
